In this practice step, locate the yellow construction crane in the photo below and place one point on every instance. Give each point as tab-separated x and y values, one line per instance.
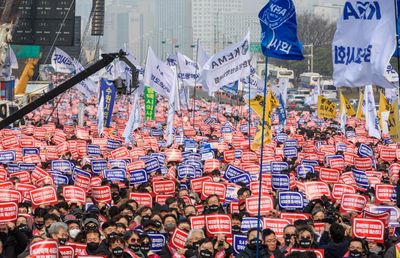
26	75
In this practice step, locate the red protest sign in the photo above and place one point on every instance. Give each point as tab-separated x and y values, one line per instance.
210	188
179	238
292	217
384	216
196	184
24	189
164	187
44	249
383	193
8	195
340	189
229	156
315	190
265	188
161	198
371	229
197	222
253	204
143	199
74	194
101	193
43	196
26	142
248	156
338	163
277	225
8	211
329	175
120	153
38	173
387	154
83	182
211	164
363	163
353	202
23	176
218	224
66	251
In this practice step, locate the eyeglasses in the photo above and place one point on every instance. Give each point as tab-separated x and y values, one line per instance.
271	240
290	235
135	240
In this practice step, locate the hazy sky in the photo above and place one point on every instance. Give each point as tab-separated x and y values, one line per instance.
300	4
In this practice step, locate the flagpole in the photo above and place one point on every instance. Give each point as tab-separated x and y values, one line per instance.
262	153
249	113
195	80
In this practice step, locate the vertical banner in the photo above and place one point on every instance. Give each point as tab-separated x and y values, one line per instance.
150	103
108	90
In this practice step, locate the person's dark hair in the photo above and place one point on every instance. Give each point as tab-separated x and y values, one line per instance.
236	216
40	212
242	190
297	254
108	224
125	206
172	216
51	216
62	205
266	232
363	243
251	230
93	231
337	232
115	240
170	200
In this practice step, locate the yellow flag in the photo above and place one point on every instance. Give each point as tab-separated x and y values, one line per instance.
256	104
257	138
360	114
384	106
344	102
326	108
393	122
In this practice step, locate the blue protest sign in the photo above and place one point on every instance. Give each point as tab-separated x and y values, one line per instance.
310	162
112	144
291	143
186	154
329	157
266	168
360	177
197	164
157	242
13	167
114	175
93	150
117	163
302	170
61	165
232	171
350	134
161	157
152	165
290	152
108	90
231	193
238	154
60	180
81	172
279	166
30	151
198	173
193	157
138	176
244	128
365	151
280	182
186	171
190	144
239	243
226	129
243	178
248	223
27	166
341	147
7	156
98	166
290	200
281	137
157	132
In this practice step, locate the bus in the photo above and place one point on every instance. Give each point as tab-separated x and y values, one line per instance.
309	80
282	73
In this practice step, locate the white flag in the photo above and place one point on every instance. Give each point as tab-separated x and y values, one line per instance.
312	99
343	117
88	86
62	62
189	70
134	119
171	110
371	118
158	75
228	65
364	42
202	56
10	63
100	115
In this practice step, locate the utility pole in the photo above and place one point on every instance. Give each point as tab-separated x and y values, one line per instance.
311	56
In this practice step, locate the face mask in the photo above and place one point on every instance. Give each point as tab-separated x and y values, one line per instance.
235	229
253	244
196	245
157	223
145	218
115	196
62	241
170	226
134	247
117	251
23	228
355	253
216	179
287	240
74	232
39	226
145	247
305	243
213	208
130	218
205	253
112	235
92	246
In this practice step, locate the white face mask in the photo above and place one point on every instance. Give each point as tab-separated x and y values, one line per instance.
216	179
74	232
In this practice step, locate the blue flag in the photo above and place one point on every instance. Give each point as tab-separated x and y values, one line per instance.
109	92
281	110
279	31
397	51
231	88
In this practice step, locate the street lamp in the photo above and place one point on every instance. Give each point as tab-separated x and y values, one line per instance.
311	55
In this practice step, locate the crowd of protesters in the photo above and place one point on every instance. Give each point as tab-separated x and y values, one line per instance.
122	224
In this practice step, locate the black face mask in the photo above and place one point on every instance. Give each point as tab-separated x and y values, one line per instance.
134	247
145	247
355	253
23	228
117	251
213	208
287	240
157	223
196	245
236	229
39	225
115	196
112	235
62	241
205	253
3	236
253	244
305	243
92	246
130	218
145	218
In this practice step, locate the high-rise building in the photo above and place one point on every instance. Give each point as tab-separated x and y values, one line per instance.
208	21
